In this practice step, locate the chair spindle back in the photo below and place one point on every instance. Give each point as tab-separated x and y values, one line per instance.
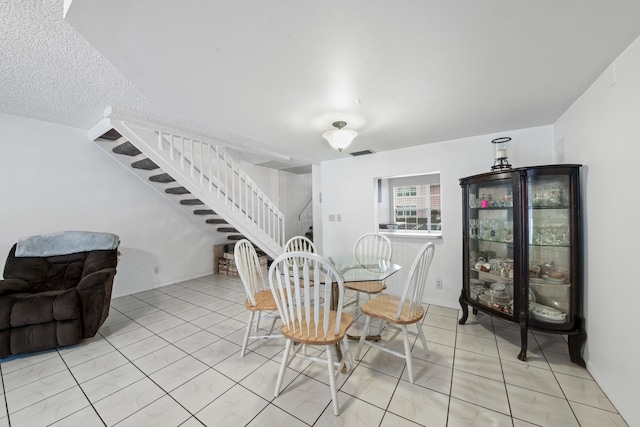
302	284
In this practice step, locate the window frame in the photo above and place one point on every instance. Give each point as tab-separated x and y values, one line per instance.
387	192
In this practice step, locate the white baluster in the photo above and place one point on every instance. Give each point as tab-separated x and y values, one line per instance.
193	159
201	164
182	152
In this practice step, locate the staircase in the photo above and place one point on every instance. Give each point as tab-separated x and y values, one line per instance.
200	177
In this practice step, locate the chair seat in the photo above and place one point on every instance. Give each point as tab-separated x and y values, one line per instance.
386	307
370	287
264	302
308	336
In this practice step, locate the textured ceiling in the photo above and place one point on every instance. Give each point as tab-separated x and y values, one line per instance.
50	72
274	75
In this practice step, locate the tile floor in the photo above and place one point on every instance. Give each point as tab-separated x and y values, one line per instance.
170	357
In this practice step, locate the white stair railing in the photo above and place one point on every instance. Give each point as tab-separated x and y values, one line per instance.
210	174
305	217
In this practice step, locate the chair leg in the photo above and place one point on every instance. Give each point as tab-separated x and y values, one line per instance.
407	352
332	380
258	322
423	339
347	352
363	336
379	325
247	333
355	313
283	367
273	325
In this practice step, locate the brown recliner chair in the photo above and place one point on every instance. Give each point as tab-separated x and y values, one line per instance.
55	300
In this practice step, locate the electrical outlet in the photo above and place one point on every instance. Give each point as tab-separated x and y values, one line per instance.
156	270
439	284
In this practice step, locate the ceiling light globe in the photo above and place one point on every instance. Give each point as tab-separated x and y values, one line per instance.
340	138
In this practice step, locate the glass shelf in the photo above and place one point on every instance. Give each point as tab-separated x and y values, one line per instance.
548	207
499	278
494	240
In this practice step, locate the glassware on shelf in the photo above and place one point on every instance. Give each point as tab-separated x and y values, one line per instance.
491	229
473	228
555	196
506	234
551	235
484	203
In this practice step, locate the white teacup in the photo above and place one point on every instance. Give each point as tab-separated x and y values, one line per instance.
498	289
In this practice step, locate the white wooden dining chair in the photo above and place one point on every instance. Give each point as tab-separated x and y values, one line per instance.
398	312
368	247
259	297
300	244
306	311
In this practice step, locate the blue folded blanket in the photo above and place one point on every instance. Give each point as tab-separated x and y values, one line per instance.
66	242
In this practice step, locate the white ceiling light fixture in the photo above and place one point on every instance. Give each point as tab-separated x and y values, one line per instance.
340	138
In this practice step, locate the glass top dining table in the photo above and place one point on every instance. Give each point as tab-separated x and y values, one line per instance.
363	269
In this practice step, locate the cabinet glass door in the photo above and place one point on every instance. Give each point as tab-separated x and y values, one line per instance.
491	242
549	249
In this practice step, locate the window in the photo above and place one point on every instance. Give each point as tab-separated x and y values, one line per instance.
410	203
405	191
405	212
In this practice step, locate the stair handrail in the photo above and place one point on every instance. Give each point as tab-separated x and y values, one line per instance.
304	208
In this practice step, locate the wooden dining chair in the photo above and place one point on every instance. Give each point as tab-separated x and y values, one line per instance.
259	297
299	244
308	315
370	246
398	312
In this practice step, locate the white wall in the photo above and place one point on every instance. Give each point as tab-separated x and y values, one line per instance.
316	190
348	189
55	179
295	193
602	131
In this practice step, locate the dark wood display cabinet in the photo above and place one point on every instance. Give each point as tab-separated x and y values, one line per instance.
522	251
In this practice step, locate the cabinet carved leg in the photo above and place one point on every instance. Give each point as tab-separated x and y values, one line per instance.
575	348
523	342
465	308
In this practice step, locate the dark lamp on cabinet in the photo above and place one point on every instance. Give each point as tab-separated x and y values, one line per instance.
501	162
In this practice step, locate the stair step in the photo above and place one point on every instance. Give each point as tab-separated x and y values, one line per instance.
236	237
177	190
127	149
227	230
191	202
203	212
146	164
164	178
216	221
111	135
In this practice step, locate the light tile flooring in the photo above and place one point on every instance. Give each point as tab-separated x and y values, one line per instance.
170	357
